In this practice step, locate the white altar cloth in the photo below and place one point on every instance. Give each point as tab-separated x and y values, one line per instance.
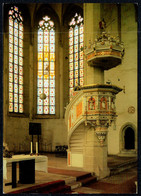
41	162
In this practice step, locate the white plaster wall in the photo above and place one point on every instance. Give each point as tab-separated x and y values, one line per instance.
125	75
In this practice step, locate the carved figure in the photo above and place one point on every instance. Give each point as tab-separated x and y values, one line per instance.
91	104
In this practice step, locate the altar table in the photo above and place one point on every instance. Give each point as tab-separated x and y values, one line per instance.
34	162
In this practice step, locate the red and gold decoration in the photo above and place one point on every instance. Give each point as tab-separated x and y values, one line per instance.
106	52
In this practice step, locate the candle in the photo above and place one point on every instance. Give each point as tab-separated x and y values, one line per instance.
36	147
31	150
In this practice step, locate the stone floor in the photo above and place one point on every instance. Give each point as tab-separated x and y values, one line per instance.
61	163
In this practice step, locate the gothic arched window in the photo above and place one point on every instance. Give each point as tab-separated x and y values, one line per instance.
46	67
75	53
15	61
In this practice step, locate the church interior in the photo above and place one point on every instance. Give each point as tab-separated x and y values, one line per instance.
69	95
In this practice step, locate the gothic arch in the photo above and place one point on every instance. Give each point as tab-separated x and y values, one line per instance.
46	9
128	130
70	10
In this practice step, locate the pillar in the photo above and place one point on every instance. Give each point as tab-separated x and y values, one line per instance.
92	75
95	151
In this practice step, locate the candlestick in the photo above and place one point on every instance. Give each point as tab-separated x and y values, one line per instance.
31	149
36	147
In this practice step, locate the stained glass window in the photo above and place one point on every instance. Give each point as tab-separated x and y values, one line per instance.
46	67
75	53
15	61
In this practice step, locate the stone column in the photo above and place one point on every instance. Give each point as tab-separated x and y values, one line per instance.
95	151
93	75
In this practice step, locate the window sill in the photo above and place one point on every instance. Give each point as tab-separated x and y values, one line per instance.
45	116
18	115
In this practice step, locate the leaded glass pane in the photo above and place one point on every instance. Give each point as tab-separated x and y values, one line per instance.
81	81
71	58
11	97
46	83
20	89
46	91
39	109
10	77
71	74
20	79
16	24
21	27
20	99
15	78
20	70
76	57
52	109
10	30
46	101
15	98
52	91
71	32
21	108
11	39
10	57
10	87
76	30
15	59
20	51
10	107
76	65
15	32
46	47
21	43
10	67
16	50
46	56
81	38
46	109
76	48
76	82
20	61
16	71
11	48
71	83
76	40
52	83
76	73
52	101
81	72
10	21
20	34
71	41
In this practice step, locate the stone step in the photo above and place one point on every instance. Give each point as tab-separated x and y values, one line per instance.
88	180
82	180
74	185
84	176
60	189
123	167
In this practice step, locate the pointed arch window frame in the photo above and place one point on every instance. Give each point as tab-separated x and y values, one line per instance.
15	53
46	68
76	45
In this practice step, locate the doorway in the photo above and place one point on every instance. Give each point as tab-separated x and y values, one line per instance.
129	139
